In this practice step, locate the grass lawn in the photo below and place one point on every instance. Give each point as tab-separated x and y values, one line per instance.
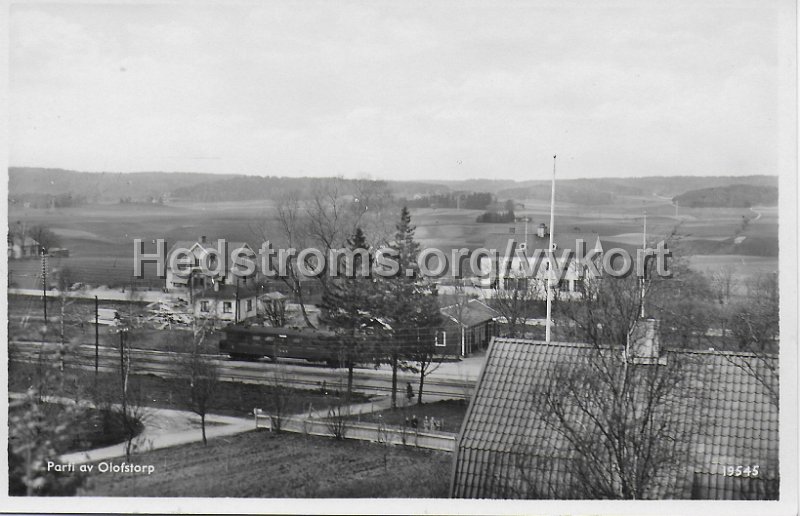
263	464
230	398
449	412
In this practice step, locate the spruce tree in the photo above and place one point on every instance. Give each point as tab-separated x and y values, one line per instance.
407	302
345	308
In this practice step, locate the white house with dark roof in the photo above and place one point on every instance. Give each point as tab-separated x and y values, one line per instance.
513	272
192	276
227	303
22	247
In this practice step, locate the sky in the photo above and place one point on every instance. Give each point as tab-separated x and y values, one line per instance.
399	90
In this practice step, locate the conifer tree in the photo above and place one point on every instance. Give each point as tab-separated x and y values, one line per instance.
345	306
406	301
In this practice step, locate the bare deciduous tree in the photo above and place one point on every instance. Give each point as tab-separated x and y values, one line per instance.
339	414
515	305
618	430
754	325
200	368
422	355
281	396
291	225
275	311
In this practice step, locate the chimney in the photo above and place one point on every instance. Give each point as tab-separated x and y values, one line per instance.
644	343
203	239
541	231
216	286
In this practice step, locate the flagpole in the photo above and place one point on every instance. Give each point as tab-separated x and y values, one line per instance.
644	258
551	271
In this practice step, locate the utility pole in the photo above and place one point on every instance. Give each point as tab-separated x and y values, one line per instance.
122	338
96	337
526	234
44	283
236	311
552	254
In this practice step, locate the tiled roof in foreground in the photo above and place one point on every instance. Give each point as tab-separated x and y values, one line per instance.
507	448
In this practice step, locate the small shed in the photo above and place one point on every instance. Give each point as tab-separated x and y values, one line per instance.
467	327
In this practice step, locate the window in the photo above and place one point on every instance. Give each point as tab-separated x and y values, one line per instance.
227	307
515	283
249	305
204	306
441	338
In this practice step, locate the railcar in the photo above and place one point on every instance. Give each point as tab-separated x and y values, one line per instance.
253	342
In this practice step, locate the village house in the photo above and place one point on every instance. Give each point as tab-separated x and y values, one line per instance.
20	247
223	302
512	273
466	327
191	277
511	444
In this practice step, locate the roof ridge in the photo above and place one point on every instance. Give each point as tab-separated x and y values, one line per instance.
587	345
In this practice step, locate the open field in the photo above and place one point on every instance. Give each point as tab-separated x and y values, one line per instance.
100	237
263	464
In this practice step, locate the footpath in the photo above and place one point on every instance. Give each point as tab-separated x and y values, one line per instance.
164	428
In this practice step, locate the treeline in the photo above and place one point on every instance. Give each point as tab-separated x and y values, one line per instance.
732	196
496	217
566	191
467	201
37	200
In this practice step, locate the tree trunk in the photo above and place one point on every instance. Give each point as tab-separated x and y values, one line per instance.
394	380
349	380
421	385
298	290
203	427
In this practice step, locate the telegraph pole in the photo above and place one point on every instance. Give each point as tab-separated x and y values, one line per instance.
236	311
44	283
551	271
96	337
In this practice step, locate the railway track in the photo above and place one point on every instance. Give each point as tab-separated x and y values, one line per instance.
167	364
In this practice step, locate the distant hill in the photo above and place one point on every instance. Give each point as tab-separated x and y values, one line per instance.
609	190
41	186
26	184
731	196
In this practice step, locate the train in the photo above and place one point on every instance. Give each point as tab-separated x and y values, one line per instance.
253	342
242	342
